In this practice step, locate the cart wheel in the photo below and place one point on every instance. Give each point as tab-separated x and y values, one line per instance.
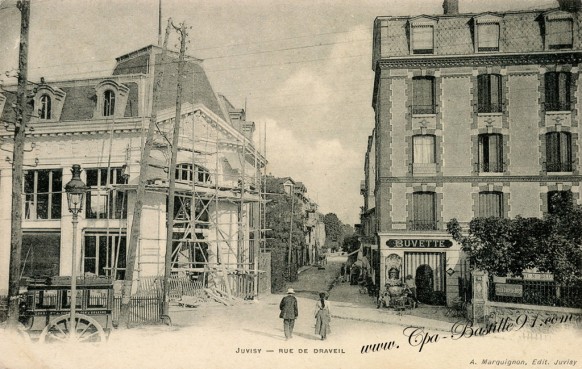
87	330
166	320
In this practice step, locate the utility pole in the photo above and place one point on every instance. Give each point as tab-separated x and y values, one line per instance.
22	115
143	169
172	171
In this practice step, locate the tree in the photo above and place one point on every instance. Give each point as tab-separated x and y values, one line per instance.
333	229
507	247
278	215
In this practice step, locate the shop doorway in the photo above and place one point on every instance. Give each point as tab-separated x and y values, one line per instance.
424	283
428	271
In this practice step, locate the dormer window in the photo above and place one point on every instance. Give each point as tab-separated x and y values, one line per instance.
111	99
558	30
488	37
45	107
421	31
48	103
423	39
487	32
559	34
108	103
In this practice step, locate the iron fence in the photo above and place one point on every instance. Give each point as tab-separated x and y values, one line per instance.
142	310
544	293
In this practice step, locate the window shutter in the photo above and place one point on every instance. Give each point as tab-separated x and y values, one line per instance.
490	204
488	36
422	38
559	33
565	152
564	90
552	151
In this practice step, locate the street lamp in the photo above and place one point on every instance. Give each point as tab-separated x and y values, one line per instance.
75	190
291	192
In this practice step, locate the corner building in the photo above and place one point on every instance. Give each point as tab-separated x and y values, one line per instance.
476	115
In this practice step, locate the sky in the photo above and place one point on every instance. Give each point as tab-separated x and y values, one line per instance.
302	67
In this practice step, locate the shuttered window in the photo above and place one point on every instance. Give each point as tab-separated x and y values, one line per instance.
423	95
490	153
559	34
424	216
490	204
489	93
557	91
488	37
424	149
556	199
422	40
558	152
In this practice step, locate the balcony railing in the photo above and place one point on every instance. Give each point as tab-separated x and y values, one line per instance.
558	105
423	225
559	167
491	167
489	108
423	109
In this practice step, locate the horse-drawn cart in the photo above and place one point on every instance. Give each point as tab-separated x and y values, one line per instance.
46	309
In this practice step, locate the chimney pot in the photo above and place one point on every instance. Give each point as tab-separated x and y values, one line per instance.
451	7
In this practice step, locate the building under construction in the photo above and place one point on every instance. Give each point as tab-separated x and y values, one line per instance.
101	124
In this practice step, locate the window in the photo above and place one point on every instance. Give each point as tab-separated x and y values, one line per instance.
424	149
103	201
557	200
488	37
422	39
490	153
558	152
103	253
43	193
423	212
490	204
423	89
489	93
559	34
108	103
557	87
45	107
40	254
184	173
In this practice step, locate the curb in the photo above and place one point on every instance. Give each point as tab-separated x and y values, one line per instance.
367	320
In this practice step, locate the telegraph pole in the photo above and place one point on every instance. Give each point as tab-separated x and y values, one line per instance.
22	115
172	184
143	168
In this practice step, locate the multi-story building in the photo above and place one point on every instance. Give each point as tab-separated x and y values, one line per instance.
101	124
476	115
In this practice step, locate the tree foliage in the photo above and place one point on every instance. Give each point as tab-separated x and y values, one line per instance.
333	227
507	247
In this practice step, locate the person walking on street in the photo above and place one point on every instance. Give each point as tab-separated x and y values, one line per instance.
289	312
322	316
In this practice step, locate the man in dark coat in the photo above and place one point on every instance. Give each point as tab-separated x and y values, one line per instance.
289	312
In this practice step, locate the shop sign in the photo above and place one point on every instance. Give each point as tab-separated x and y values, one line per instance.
511	290
419	243
546	277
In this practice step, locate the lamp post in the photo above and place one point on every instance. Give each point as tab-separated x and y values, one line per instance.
291	192
75	190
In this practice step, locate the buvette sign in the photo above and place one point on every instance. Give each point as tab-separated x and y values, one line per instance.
419	243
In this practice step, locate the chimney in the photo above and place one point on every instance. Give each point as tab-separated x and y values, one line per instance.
451	7
570	5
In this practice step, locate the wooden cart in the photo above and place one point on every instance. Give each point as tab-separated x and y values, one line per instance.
46	308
